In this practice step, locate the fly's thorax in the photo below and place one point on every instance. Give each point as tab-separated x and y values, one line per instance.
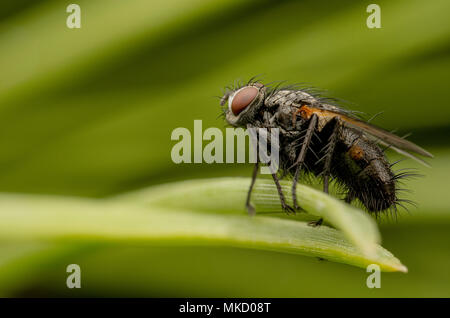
284	116
244	104
288	98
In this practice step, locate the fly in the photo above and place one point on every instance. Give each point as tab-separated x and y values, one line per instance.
323	139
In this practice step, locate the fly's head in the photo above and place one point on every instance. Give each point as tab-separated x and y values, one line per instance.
244	104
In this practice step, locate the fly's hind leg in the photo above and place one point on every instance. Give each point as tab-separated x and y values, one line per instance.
301	157
248	205
316	223
329	151
349	197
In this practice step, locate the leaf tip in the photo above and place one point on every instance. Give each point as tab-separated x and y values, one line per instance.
402	268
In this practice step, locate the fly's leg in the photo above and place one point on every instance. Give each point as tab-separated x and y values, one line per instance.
248	205
301	157
284	205
316	223
349	198
329	150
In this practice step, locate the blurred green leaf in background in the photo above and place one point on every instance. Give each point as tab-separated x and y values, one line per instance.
86	114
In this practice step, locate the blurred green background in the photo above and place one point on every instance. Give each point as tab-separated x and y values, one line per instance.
89	112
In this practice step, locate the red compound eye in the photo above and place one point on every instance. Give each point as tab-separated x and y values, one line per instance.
243	98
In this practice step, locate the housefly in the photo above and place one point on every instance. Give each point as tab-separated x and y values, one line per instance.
322	139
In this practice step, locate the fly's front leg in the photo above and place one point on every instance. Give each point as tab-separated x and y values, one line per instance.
248	205
301	157
284	205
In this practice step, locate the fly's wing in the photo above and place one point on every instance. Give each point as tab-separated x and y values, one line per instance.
384	137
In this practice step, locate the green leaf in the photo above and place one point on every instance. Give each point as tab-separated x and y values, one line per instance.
125	219
229	194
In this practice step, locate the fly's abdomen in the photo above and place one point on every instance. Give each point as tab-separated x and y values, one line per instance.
363	169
